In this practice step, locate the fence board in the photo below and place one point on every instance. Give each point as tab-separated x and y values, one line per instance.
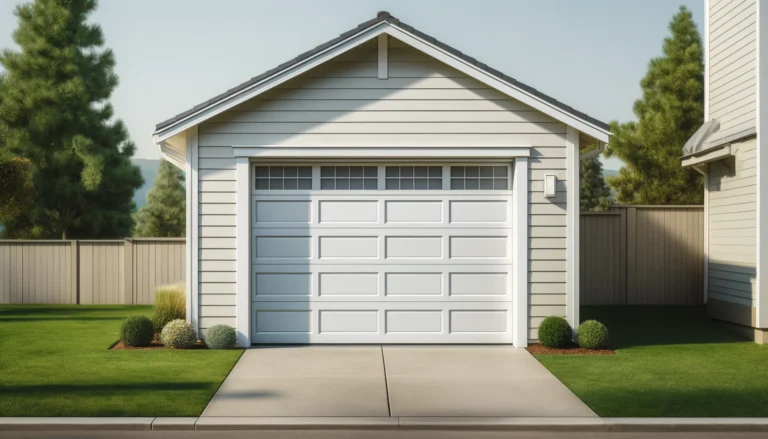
642	255
88	271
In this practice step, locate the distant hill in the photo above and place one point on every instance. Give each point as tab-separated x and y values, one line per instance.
149	169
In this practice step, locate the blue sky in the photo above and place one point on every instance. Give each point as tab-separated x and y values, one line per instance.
173	54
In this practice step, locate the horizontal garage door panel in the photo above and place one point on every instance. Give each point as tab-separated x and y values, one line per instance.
416	322
384	265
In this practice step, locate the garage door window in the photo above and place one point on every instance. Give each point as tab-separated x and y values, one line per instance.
414	178
283	177
349	177
479	178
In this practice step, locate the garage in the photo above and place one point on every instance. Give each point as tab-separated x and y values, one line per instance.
382	187
382	253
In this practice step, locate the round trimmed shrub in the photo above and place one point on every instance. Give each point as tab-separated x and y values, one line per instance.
137	331
554	332
178	334
221	337
592	335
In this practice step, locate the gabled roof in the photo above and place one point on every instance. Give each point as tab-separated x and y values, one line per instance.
382	17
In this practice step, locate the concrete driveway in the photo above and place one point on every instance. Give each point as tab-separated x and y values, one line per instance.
382	381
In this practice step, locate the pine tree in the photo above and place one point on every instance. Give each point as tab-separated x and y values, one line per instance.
670	111
17	194
594	193
54	111
164	216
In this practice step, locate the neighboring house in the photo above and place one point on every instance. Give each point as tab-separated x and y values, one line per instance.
728	149
381	188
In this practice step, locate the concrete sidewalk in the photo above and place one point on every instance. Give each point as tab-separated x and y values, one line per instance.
376	381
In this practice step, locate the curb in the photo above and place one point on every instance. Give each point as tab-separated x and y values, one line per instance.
296	423
213	423
75	424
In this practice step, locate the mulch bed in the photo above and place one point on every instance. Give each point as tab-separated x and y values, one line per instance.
539	349
155	345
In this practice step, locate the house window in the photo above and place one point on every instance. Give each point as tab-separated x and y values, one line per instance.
283	177
414	178
341	178
479	178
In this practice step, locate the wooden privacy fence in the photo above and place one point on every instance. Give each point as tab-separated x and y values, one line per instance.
633	255
642	255
88	271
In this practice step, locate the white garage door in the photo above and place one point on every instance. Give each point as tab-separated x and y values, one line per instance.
395	253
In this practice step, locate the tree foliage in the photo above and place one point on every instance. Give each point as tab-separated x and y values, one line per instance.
17	194
594	193
54	112
670	111
164	216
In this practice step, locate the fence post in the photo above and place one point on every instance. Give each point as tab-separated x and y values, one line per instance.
623	266
128	271
631	256
74	283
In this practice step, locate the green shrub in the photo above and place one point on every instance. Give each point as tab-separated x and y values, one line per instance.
592	335
178	334
170	304
137	331
221	337
554	332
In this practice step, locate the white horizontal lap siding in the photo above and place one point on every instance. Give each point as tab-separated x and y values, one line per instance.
732	65
422	103
733	226
343	103
546	237
216	234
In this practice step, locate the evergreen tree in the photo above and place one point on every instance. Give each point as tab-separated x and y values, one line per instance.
54	111
670	111
594	193
17	194
164	216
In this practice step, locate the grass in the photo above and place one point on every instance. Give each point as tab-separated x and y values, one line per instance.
669	362
54	361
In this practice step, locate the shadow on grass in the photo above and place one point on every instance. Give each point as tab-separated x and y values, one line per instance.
658	325
678	402
101	389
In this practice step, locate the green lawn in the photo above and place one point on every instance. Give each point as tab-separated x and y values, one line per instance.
54	361
669	362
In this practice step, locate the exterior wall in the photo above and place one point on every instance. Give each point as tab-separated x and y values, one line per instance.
216	236
546	237
732	78
733	226
342	103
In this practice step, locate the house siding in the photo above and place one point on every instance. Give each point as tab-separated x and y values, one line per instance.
733	226
343	103
732	65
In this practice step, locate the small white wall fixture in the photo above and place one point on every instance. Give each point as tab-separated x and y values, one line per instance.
550	185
